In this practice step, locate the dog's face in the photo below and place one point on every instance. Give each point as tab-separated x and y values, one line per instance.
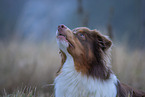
87	47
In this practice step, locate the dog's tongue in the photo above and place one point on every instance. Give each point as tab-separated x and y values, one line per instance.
62	38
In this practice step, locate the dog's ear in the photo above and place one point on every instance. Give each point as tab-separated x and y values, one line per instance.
102	41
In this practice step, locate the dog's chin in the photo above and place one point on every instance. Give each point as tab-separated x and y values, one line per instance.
63	45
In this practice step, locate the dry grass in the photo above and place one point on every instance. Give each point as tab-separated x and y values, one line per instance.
129	66
28	64
25	92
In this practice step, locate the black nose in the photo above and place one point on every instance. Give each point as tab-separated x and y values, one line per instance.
62	26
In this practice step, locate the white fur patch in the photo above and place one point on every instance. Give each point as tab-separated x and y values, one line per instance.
62	45
70	83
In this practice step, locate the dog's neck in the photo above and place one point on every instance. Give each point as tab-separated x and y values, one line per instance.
70	83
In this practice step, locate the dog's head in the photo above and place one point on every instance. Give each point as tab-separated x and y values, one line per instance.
87	47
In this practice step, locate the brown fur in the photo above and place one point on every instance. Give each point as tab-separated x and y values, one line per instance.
90	55
127	91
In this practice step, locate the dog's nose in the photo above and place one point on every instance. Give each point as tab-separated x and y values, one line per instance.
62	26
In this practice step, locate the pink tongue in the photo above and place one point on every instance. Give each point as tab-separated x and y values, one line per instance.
63	38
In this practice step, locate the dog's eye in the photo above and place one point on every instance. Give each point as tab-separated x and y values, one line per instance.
81	35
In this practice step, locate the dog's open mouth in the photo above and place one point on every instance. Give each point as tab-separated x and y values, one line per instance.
62	37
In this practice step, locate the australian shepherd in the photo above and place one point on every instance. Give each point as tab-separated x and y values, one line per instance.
85	70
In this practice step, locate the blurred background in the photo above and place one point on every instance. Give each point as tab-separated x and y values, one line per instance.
29	55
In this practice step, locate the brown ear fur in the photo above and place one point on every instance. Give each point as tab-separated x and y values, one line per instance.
104	42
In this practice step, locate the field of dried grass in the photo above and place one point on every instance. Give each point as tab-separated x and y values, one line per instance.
27	65
27	68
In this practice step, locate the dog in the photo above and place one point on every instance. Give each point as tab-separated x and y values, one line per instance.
85	70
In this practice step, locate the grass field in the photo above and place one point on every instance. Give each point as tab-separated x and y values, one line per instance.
27	69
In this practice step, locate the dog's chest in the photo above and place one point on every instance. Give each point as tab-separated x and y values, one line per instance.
70	83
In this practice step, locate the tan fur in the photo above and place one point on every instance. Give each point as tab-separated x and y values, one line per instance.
63	59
